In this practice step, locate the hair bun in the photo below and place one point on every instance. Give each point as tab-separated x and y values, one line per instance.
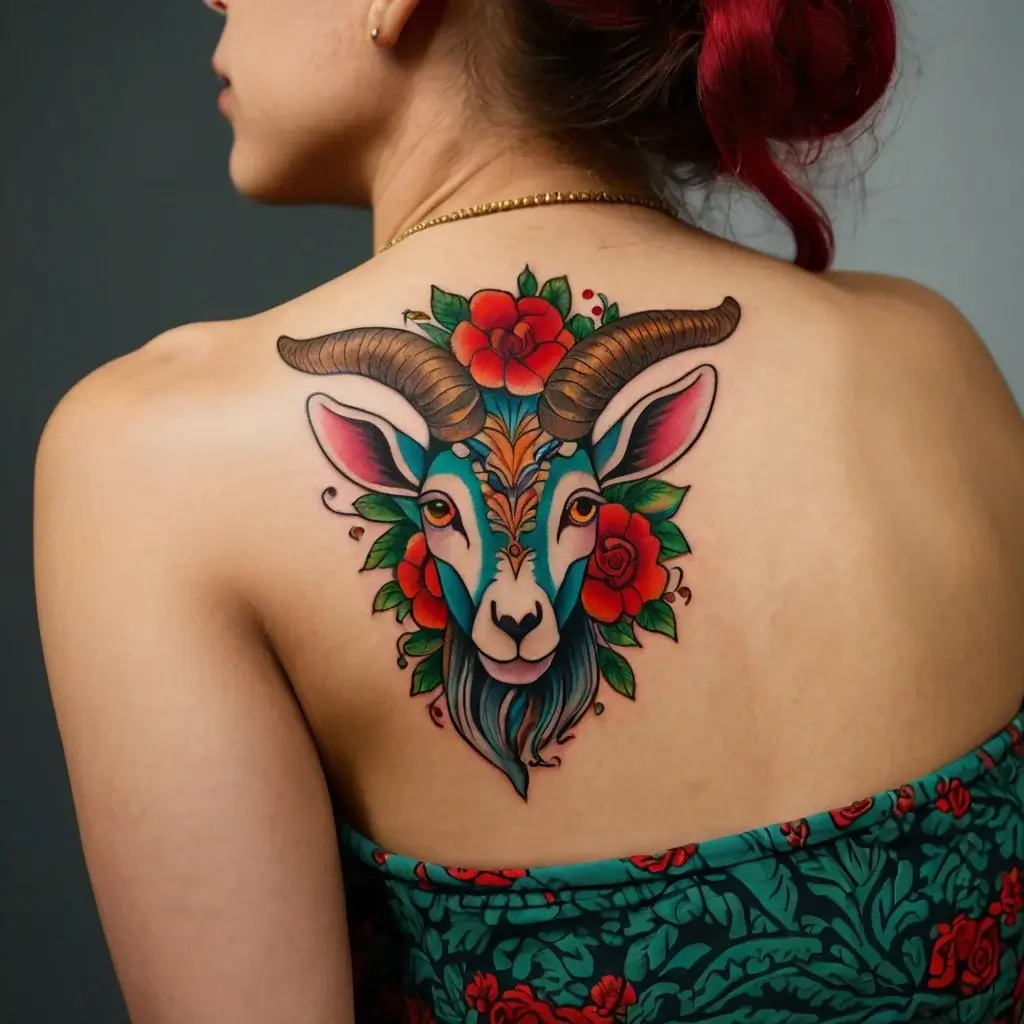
791	71
713	84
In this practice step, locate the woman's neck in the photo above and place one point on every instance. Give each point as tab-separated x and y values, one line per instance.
426	173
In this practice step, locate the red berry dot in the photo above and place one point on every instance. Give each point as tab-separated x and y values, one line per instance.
597	311
670	597
587	293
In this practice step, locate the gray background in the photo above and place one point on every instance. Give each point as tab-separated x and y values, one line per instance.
117	221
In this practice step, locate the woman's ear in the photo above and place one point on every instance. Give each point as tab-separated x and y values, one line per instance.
387	19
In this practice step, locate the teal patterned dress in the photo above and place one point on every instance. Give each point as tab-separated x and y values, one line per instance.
904	906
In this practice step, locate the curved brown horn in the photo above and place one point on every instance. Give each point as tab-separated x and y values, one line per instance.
594	370
435	383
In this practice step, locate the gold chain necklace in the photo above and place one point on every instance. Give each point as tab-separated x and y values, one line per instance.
539	199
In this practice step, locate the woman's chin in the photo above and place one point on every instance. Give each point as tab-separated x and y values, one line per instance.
518	672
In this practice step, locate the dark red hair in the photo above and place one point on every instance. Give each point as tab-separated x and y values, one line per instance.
736	88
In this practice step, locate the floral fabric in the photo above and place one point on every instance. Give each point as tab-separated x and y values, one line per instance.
905	906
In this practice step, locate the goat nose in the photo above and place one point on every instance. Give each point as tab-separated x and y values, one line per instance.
517	628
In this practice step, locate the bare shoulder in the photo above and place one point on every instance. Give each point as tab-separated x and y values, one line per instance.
149	433
909	324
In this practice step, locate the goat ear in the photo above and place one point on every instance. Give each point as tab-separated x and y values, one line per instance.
366	448
657	430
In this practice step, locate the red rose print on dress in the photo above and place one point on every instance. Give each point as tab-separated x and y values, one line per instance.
967	951
609	999
796	832
981	965
417	576
1011	901
482	992
520	1006
623	572
498	879
511	343
612	995
674	858
954	797
904	801
843	817
950	949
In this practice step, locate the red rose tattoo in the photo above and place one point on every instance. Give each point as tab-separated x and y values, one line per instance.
417	576
511	343
623	572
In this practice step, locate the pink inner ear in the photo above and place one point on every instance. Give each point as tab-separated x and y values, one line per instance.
671	424
658	430
359	448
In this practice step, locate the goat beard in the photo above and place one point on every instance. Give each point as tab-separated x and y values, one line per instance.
512	725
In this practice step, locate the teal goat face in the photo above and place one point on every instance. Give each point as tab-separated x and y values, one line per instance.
507	492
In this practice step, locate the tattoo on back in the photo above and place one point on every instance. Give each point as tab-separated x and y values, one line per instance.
527	544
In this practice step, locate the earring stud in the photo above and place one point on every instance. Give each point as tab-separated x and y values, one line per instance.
374	33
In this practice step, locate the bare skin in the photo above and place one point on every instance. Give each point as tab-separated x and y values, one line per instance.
858	580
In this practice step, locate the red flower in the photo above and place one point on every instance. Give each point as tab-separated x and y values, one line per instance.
951	947
511	343
1012	899
520	1006
417	577
982	962
656	863
904	801
424	879
502	878
482	992
954	797
417	1012
612	995
844	816
380	856
796	832
623	572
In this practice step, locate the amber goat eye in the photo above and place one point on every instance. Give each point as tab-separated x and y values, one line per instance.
581	511
439	513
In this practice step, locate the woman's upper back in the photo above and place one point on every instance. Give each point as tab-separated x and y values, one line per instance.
833	609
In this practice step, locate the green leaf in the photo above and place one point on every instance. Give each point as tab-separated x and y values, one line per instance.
389	596
617	672
618	494
658	617
436	335
427	676
673	543
423	642
449	309
650	952
656	499
378	508
403	609
611	314
527	283
387	550
620	633
581	326
556	291
772	889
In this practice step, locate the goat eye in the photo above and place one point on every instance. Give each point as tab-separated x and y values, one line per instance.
581	511
438	513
